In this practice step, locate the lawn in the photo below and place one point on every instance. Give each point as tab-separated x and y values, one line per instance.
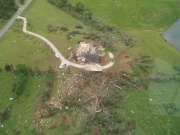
2	23
132	14
17	47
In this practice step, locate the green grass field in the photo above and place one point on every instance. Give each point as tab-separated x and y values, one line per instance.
152	44
131	18
131	14
18	47
22	108
147	107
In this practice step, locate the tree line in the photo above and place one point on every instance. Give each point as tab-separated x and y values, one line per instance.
7	8
79	11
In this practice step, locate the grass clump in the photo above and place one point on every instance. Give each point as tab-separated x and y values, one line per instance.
170	108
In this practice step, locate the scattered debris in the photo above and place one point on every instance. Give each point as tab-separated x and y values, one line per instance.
86	57
132	111
57	56
87	53
83	47
62	65
100	48
47	44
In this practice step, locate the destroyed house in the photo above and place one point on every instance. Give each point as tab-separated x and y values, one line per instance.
90	57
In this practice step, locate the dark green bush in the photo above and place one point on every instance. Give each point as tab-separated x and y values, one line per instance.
64	28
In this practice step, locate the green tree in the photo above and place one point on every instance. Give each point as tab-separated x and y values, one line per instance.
50	77
20	84
62	3
79	7
22	1
7	8
21	68
8	67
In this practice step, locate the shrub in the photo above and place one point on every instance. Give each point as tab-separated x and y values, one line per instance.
128	40
8	67
19	87
64	28
38	128
79	26
22	69
101	119
5	114
50	77
170	108
79	7
176	67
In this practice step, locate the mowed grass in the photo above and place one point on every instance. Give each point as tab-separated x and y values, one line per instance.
135	14
19	48
2	23
22	108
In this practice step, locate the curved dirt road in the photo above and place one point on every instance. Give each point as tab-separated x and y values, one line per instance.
88	67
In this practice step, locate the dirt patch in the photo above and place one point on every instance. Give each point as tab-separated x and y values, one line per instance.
122	63
103	61
70	56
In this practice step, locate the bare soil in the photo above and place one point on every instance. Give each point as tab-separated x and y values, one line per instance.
122	63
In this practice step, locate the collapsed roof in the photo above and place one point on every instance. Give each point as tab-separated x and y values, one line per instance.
91	57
